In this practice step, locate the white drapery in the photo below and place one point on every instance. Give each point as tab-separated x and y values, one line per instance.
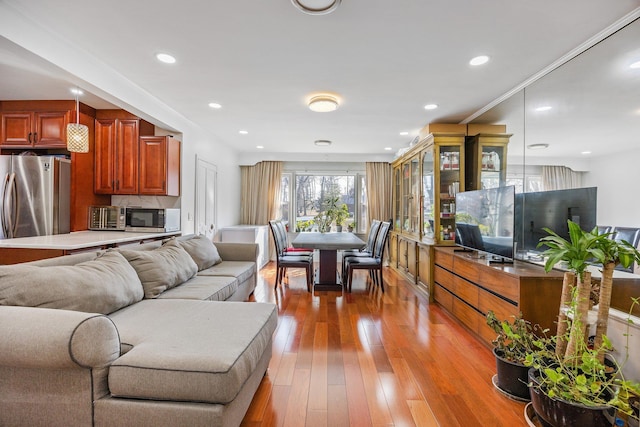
560	178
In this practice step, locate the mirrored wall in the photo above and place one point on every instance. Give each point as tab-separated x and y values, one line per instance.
579	126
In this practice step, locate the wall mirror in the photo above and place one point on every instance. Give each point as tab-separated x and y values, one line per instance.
583	116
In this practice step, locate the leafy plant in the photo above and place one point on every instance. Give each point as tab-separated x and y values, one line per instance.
341	214
517	339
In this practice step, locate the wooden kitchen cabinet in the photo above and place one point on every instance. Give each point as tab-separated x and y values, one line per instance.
117	135
34	129
159	172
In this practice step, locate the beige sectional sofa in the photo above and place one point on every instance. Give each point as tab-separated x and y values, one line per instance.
151	335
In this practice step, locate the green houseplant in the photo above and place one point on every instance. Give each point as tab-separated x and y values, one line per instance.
570	379
514	341
340	215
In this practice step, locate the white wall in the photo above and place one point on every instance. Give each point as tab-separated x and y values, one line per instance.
616	177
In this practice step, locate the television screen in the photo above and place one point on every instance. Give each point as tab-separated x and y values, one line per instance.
551	209
485	220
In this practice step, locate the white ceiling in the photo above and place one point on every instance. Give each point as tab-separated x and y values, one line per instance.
262	59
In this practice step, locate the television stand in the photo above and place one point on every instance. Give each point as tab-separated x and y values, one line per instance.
463	250
499	260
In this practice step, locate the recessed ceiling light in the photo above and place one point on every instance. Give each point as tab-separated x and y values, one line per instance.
544	108
322	142
635	65
166	58
259	147
76	91
316	7
586	152
431	106
537	146
215	105
388	148
479	60
404	133
243	132
323	103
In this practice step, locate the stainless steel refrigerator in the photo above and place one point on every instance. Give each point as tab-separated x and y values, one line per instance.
34	196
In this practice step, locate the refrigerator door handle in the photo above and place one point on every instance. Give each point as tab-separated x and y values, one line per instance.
4	213
10	206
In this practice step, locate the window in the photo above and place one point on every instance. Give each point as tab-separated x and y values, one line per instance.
304	195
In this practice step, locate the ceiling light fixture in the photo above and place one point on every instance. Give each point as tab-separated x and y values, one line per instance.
585	152
404	133
388	148
322	142
77	134
323	103
215	105
259	147
166	58
544	108
635	65
316	7
537	146
243	132
431	106
479	60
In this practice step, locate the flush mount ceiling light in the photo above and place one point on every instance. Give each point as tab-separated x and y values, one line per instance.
215	105
479	60
322	142
431	106
404	133
77	134
316	7
635	65
166	58
544	108
323	103
537	146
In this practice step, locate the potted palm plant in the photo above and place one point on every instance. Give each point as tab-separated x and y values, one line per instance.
570	382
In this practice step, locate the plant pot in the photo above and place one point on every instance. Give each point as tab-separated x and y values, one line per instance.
339	228
560	413
512	377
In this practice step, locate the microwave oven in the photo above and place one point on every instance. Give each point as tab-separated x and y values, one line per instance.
152	219
107	218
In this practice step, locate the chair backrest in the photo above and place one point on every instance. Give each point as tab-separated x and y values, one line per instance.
630	234
381	240
603	229
277	237
373	233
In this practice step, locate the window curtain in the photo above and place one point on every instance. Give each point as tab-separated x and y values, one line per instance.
260	201
379	193
560	178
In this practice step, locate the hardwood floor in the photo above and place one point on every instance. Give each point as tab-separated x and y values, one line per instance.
373	359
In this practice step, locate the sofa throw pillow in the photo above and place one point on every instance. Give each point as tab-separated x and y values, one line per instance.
202	250
162	268
103	285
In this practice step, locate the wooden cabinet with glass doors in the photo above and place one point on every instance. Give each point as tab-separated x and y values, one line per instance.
426	180
486	165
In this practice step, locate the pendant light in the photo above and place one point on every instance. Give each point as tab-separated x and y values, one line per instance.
77	134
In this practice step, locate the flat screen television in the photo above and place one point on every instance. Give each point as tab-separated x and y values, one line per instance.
485	221
551	209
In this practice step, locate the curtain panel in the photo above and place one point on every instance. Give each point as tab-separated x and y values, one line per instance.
560	178
379	197
260	200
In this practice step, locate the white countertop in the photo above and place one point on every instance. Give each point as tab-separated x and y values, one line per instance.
78	239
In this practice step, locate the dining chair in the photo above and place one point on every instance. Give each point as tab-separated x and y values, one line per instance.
630	235
284	261
372	263
367	251
287	248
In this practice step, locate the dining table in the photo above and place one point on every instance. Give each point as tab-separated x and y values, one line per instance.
328	245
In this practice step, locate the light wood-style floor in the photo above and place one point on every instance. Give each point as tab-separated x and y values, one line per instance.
373	359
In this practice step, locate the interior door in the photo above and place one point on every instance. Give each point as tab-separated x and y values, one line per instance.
206	189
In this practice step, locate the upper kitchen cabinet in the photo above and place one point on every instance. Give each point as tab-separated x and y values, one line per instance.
35	124
159	166
117	135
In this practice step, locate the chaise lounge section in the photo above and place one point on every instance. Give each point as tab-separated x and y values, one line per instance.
92	340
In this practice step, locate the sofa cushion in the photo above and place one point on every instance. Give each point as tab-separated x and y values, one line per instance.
202	250
185	350
242	270
212	288
162	268
102	285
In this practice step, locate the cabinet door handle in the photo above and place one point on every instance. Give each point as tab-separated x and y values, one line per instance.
35	137
29	138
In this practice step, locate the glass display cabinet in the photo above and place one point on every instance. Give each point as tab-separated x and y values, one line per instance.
486	165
